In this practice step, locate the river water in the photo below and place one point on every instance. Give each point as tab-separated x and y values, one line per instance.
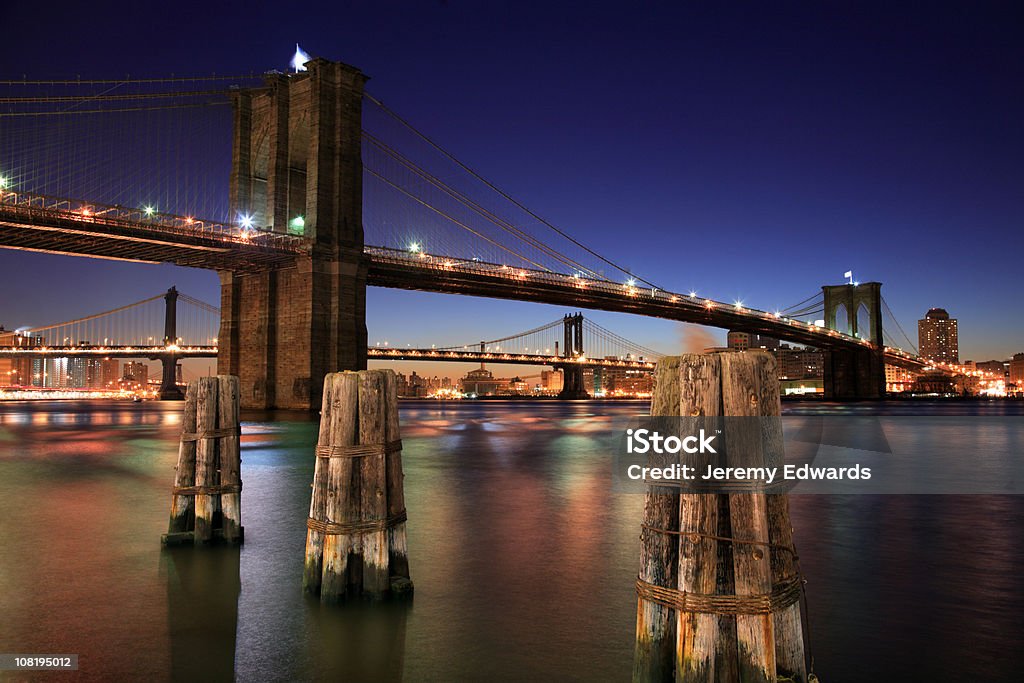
522	555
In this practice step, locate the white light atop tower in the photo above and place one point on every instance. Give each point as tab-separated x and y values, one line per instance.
300	59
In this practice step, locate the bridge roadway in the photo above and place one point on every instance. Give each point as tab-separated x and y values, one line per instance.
153	352
53	225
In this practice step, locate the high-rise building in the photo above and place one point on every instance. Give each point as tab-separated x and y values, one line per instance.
110	372
937	337
136	373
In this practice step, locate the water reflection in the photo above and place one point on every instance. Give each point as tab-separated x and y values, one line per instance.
202	611
522	555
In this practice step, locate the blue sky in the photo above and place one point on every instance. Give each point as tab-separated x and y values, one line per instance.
747	151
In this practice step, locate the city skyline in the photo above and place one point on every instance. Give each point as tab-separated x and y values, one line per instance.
840	167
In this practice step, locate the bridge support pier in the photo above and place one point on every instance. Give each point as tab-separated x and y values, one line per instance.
573	387
297	168
169	389
854	375
284	330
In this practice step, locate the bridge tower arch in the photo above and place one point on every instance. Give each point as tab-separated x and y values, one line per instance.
573	386
297	168
855	373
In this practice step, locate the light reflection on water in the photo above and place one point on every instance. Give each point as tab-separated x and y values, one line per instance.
522	556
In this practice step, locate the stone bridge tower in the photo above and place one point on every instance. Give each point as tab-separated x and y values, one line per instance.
297	168
859	373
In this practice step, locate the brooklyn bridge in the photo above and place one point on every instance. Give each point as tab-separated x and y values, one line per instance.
329	192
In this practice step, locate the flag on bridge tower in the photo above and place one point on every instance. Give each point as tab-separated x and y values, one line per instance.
849	274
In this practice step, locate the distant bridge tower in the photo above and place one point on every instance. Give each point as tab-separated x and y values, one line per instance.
855	374
169	390
572	348
297	167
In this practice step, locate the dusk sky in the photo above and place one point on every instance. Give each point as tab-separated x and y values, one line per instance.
753	151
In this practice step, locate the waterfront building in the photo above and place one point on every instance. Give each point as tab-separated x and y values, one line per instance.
743	341
482	382
795	362
1016	377
898	380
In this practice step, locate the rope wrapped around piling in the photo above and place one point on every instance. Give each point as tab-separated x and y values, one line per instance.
362	526
359	451
781	597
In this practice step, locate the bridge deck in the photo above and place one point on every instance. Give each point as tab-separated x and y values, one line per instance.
59	226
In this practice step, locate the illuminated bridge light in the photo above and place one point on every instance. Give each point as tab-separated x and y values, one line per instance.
3	182
709	304
246	221
693	294
298	223
415	248
149	210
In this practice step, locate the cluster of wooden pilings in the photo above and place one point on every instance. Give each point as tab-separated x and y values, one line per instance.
719	588
356	531
206	498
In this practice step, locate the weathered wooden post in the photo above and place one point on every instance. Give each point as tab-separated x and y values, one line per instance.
734	591
655	623
355	540
206	498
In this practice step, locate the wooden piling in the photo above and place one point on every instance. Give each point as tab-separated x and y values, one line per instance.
342	494
183	510
314	565
355	544
229	457
398	548
700	555
655	623
734	603
206	498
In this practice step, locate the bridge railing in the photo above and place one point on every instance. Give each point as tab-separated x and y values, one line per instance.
31	205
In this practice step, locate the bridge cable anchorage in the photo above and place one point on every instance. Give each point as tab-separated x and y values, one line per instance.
475	206
429	141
